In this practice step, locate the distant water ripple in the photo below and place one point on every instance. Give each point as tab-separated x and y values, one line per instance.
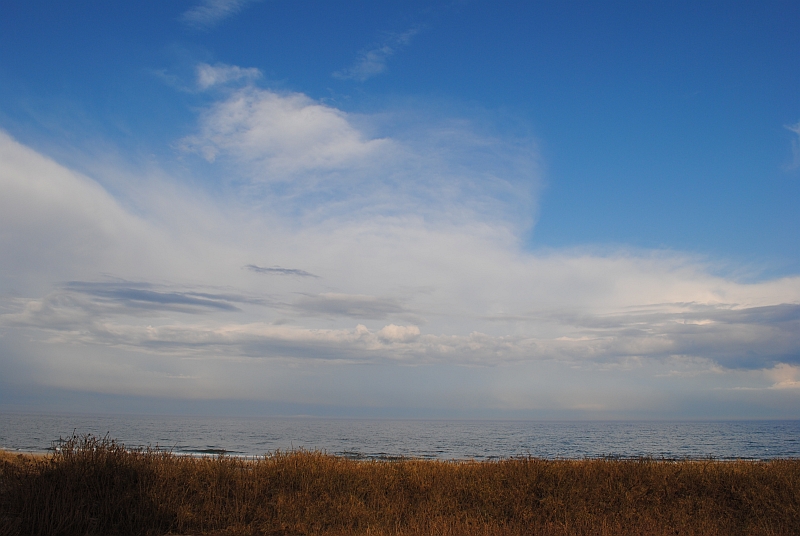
388	439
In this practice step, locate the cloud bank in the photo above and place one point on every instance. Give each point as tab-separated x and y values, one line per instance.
395	276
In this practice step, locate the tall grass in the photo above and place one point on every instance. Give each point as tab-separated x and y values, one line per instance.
95	486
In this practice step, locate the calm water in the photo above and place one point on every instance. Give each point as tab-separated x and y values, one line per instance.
371	439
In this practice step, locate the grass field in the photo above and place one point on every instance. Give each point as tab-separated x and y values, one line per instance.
95	486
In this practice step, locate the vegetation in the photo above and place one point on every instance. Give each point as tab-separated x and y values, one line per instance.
95	486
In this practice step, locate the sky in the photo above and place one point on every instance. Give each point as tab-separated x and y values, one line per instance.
445	209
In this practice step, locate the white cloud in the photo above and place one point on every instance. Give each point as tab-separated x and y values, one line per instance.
213	75
312	160
372	62
209	13
280	135
785	376
420	264
392	333
59	224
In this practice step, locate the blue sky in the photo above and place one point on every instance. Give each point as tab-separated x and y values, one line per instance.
470	209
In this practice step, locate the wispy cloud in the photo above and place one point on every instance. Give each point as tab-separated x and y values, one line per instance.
209	13
213	75
86	302
795	164
372	62
126	295
277	270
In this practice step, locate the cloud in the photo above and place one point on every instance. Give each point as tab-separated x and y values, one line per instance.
213	75
280	135
727	335
785	376
307	159
392	333
795	164
82	305
277	270
601	350
355	306
410	243
209	13
126	295
372	62
721	335
59	223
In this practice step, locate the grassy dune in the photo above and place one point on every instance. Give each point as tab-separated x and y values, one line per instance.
94	486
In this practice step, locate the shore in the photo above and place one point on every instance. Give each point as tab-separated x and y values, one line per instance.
94	486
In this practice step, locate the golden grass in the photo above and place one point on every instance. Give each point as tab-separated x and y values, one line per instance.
6	456
94	486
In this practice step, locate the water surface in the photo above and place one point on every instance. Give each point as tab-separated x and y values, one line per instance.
431	439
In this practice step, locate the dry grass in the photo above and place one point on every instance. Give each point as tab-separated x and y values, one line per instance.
94	486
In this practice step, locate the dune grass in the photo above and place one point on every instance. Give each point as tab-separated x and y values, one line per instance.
95	486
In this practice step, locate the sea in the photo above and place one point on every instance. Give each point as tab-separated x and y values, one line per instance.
367	439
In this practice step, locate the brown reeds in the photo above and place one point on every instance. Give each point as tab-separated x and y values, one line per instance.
95	486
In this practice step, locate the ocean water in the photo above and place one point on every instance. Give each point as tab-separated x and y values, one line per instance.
430	439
